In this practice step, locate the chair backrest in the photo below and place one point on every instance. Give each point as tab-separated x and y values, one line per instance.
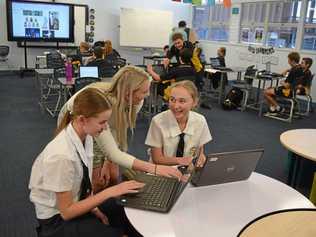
106	69
4	51
81	82
54	60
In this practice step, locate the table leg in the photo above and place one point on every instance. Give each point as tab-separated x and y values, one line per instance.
295	163
262	98
221	89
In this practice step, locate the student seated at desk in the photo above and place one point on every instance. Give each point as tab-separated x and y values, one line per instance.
295	74
178	135
110	53
97	58
165	50
60	180
304	84
216	77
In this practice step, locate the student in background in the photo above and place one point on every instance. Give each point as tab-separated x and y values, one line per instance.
165	50
304	84
109	52
179	44
97	58
60	178
129	87
184	69
216	77
295	74
84	48
190	33
178	135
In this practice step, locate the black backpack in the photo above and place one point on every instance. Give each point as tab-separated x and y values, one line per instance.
233	99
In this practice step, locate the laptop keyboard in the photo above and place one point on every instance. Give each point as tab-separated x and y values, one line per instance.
156	193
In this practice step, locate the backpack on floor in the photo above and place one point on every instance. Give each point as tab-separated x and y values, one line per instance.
233	99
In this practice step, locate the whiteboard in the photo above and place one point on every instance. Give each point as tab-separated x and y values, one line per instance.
145	28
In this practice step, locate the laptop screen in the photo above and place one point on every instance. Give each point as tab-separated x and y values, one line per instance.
89	72
215	62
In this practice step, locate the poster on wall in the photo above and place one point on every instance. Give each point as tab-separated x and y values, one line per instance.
258	35
245	32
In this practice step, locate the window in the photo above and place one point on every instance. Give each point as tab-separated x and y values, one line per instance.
270	23
252	22
309	37
211	22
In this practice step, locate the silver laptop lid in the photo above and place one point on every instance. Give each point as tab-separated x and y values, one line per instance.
227	167
89	72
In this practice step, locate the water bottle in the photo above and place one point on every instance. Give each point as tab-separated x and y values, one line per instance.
68	71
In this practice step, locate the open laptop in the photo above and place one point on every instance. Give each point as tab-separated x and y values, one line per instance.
159	194
227	167
215	63
87	71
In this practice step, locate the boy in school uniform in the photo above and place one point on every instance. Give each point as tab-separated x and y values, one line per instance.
295	74
178	135
304	84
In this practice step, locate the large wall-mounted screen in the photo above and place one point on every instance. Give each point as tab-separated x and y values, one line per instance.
40	21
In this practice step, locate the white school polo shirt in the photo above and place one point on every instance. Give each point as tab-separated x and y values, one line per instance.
58	169
164	133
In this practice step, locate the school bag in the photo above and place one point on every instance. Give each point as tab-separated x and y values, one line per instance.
233	99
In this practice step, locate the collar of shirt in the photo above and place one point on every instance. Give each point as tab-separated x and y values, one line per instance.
85	152
174	126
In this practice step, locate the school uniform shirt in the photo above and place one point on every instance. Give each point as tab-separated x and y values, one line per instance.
296	74
164	133
58	169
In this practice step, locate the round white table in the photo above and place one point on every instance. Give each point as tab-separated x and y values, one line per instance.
218	210
302	143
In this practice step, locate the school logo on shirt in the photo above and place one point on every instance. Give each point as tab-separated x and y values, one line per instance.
193	152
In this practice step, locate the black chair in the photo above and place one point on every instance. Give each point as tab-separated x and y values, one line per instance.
84	81
105	68
4	53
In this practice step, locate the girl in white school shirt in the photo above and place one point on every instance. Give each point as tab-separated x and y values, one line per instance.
60	178
167	127
127	91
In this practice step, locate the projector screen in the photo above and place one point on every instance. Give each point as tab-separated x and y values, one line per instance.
39	21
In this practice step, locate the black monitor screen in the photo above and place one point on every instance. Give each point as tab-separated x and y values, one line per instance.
39	21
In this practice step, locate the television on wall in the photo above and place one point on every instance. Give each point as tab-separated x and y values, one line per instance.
40	21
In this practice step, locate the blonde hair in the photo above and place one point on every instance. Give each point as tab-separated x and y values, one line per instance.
189	86
127	80
89	103
108	49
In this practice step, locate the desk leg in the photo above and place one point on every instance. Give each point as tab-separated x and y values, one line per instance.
262	97
221	89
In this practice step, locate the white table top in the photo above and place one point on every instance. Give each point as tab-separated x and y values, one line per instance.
234	70
218	210
301	142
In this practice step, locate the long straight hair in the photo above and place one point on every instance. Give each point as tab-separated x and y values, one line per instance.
127	80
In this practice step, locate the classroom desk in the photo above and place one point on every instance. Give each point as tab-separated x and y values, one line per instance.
293	222
218	210
302	143
260	91
237	70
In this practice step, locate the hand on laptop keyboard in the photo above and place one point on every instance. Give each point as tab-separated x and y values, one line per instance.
126	187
